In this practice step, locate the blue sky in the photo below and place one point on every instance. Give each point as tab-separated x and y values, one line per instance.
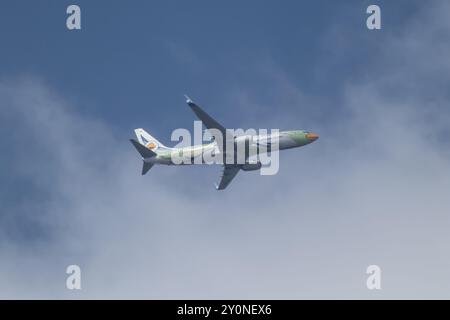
130	61
371	190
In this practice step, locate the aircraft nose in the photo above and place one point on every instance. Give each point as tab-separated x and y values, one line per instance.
312	136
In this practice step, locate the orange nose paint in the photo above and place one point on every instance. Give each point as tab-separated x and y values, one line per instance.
312	136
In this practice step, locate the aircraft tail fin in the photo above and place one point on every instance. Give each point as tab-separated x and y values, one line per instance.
147	140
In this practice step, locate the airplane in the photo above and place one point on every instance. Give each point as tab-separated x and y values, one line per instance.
154	152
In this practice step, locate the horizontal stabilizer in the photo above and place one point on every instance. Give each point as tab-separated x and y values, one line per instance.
228	174
143	151
146	166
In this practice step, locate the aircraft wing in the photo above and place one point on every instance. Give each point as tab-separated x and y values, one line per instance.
229	172
210	123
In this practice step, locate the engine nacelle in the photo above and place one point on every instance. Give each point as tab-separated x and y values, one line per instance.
251	166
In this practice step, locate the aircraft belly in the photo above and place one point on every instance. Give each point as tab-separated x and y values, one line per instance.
286	143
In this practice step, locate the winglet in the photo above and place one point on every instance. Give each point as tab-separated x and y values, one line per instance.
188	100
